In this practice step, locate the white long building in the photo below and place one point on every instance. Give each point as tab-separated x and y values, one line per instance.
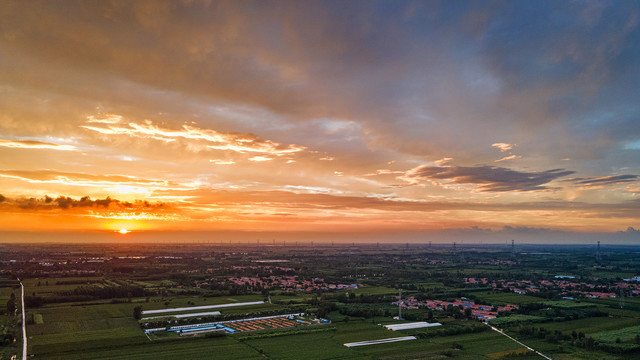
413	325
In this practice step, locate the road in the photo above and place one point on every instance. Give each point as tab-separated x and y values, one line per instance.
535	351
24	326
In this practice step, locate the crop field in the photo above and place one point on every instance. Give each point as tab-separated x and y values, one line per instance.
591	325
188	301
274	323
568	304
82	328
629	304
624	335
515	319
319	346
50	286
507	298
473	346
198	348
375	290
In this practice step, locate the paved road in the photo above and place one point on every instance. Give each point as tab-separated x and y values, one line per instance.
24	326
535	351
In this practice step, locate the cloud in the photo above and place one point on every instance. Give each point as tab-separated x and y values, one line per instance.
503	146
260	158
222	162
100	184
82	179
198	138
604	180
443	161
384	172
510	157
487	178
107	119
319	198
30	144
65	203
364	83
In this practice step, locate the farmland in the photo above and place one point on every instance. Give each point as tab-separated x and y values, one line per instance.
225	301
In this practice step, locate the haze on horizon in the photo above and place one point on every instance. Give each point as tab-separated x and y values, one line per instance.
390	117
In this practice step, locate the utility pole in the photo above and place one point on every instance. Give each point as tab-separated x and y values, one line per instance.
513	250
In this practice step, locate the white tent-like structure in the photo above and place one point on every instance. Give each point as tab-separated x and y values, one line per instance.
413	325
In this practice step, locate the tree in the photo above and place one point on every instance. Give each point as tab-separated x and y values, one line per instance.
11	306
467	313
137	312
430	315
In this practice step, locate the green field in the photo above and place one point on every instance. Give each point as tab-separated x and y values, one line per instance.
375	290
624	335
506	298
591	325
516	319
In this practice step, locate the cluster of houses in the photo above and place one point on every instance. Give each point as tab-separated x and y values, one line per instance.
564	283
480	312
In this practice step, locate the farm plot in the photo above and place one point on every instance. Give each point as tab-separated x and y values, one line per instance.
64	328
270	323
591	325
625	335
317	346
507	298
185	309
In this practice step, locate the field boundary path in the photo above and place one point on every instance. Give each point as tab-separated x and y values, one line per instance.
24	325
528	347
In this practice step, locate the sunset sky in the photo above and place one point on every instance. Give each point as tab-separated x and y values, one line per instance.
321	116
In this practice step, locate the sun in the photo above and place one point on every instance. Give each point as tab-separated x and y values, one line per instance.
124	231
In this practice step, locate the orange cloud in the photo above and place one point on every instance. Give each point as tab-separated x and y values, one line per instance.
510	157
203	138
503	146
30	144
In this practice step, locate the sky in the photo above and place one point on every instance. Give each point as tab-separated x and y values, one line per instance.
322	117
